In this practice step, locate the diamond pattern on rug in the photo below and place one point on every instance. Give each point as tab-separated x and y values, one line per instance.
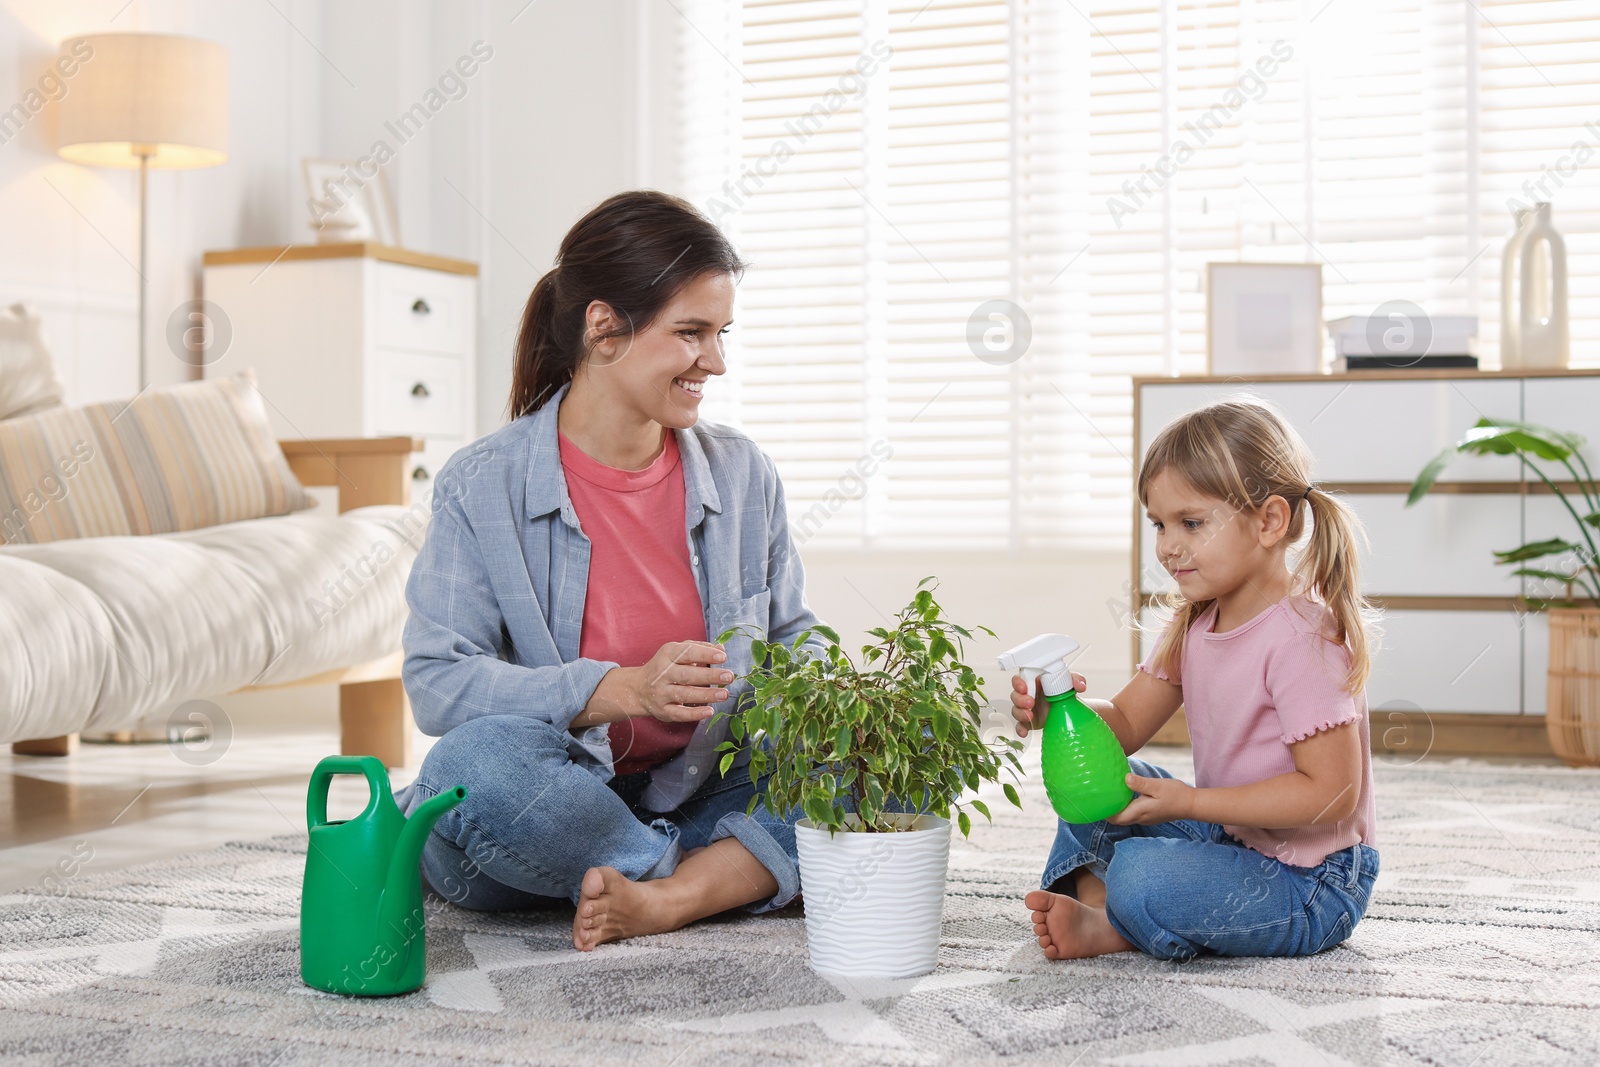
1481	947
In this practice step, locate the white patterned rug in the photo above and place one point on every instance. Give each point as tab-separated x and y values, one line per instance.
1481	948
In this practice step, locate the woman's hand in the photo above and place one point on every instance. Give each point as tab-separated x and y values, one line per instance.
681	682
1159	800
1023	702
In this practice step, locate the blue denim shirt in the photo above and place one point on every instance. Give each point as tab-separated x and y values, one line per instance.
497	591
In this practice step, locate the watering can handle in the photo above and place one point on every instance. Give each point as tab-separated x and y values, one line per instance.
317	794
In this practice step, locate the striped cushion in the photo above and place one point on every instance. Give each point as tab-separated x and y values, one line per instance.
180	458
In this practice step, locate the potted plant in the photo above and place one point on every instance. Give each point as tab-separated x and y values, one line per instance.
876	754
1572	712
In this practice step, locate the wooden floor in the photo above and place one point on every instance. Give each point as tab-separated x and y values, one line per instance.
120	805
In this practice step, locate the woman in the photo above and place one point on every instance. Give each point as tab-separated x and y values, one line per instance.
579	563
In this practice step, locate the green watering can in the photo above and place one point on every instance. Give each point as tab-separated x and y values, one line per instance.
362	929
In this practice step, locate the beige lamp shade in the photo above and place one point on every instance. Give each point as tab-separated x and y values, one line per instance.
145	94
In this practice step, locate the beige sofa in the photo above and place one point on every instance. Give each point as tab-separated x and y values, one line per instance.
101	629
98	633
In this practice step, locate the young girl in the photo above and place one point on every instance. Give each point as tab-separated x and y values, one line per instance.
1270	852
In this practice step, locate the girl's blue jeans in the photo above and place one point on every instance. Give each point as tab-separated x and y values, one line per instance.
1177	889
534	821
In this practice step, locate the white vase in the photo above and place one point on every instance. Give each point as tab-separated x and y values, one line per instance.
1510	259
1543	338
874	901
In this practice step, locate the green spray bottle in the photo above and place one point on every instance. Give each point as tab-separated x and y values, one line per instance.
1085	769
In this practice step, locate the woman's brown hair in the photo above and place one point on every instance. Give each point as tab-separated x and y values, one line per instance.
634	252
1241	451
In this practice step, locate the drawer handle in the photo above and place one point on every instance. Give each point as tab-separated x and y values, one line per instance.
421	307
420	390
419	474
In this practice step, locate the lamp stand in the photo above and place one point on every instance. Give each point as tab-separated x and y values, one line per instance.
144	285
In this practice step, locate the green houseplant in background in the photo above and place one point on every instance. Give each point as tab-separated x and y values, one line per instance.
1572	710
876	753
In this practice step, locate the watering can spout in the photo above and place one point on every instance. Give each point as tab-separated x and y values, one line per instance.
400	886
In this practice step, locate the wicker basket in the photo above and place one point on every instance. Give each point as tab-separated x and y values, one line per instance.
1572	714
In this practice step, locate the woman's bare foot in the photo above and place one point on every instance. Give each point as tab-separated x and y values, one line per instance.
610	907
707	881
1070	930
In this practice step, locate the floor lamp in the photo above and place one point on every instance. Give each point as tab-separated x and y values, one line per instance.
144	100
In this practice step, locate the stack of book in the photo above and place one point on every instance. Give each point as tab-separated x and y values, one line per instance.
1362	342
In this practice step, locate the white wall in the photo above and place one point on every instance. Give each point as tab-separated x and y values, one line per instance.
578	101
1015	596
70	239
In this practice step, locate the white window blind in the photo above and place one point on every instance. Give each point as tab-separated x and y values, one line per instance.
891	169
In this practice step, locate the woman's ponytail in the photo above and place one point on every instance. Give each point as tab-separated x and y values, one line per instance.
634	253
540	367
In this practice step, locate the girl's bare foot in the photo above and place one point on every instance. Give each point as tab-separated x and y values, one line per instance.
610	907
1070	930
1091	890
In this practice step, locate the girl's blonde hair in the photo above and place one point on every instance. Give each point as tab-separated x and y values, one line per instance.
1242	451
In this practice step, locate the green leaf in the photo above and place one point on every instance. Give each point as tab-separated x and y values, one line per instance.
1536	549
1572	442
827	631
913	642
965	823
1593	519
983	809
727	761
1429	475
1554	576
841	741
1011	795
1504	438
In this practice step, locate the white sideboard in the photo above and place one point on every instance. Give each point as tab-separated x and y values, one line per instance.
354	340
1457	640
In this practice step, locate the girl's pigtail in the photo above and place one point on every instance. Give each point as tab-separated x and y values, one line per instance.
1330	569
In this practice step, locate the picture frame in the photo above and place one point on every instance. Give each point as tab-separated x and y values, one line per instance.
1263	318
345	207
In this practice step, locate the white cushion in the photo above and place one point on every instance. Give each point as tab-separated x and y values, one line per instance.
28	381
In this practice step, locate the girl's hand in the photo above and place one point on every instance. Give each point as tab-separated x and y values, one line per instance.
1159	800
682	681
1022	702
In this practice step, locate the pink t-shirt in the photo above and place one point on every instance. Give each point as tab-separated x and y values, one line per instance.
1252	692
641	592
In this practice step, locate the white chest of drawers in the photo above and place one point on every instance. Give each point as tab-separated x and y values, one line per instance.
1458	646
354	340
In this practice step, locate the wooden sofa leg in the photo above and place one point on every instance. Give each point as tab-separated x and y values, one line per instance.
375	720
65	745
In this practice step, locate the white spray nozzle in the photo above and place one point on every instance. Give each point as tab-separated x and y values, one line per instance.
1045	656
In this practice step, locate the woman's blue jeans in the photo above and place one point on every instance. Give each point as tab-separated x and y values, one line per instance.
534	821
1177	889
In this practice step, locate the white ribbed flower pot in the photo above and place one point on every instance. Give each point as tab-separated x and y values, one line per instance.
874	901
